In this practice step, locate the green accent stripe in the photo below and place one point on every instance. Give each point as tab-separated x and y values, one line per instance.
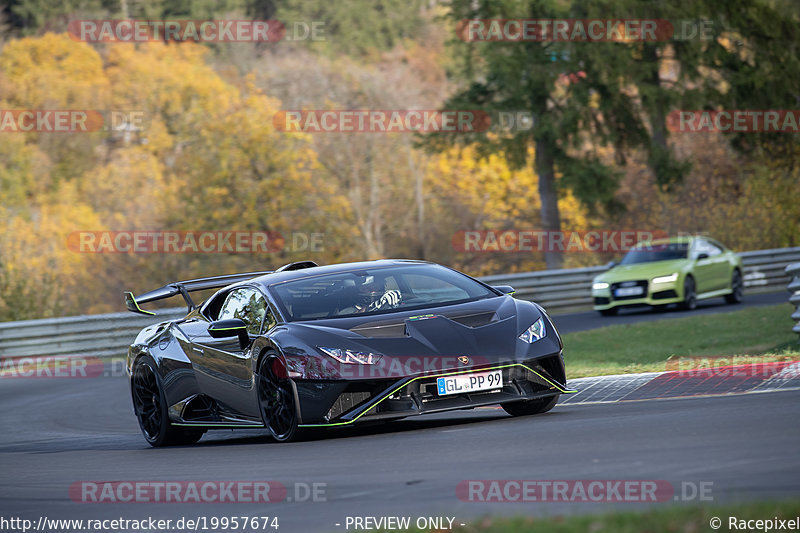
212	425
555	385
133	299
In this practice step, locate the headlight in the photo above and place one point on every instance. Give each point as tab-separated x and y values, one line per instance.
533	333
599	285
666	279
351	356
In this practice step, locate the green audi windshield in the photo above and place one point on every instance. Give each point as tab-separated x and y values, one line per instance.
656	252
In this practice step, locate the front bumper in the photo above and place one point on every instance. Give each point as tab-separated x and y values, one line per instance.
337	403
653	294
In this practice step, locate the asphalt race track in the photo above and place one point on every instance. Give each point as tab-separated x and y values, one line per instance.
59	432
570	322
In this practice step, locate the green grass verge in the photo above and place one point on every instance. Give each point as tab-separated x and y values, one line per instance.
744	336
672	519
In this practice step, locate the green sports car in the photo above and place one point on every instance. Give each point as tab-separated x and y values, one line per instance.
679	270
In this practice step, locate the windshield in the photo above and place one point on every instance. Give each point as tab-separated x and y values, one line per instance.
375	291
656	252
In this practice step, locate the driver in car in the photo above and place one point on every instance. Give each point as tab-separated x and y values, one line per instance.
371	297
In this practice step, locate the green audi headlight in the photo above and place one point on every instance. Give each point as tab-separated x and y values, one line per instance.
666	279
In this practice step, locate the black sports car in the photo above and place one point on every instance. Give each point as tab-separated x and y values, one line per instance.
320	346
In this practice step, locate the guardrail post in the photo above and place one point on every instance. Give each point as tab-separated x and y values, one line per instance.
794	288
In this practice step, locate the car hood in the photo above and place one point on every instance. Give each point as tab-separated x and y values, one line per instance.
642	270
482	333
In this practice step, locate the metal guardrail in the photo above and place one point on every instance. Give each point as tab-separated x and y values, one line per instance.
793	270
557	290
107	335
570	289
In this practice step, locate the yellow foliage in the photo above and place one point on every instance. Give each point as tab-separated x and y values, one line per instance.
23	171
205	157
747	205
52	72
40	276
473	193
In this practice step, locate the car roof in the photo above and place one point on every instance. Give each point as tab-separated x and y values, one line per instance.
684	239
289	275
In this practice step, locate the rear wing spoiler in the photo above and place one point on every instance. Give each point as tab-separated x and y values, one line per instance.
185	287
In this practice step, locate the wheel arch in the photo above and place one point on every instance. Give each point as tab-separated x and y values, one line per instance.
271	346
136	354
688	273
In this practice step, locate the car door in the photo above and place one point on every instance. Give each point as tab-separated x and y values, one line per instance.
224	367
721	271
703	269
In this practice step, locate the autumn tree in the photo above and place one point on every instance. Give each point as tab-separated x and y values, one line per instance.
205	157
548	81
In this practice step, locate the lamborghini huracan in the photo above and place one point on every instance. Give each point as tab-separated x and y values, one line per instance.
309	346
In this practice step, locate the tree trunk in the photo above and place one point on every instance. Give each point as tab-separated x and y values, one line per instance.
419	197
551	218
374	215
656	108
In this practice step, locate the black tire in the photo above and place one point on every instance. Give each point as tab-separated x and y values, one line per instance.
689	294
276	398
611	311
737	288
530	407
150	407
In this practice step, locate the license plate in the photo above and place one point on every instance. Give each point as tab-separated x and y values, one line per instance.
629	291
462	383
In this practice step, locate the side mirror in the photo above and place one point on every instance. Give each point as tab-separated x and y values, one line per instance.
230	327
702	256
505	289
611	264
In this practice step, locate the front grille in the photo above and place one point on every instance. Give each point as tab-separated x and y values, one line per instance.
663	295
420	395
426	390
626	284
346	401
